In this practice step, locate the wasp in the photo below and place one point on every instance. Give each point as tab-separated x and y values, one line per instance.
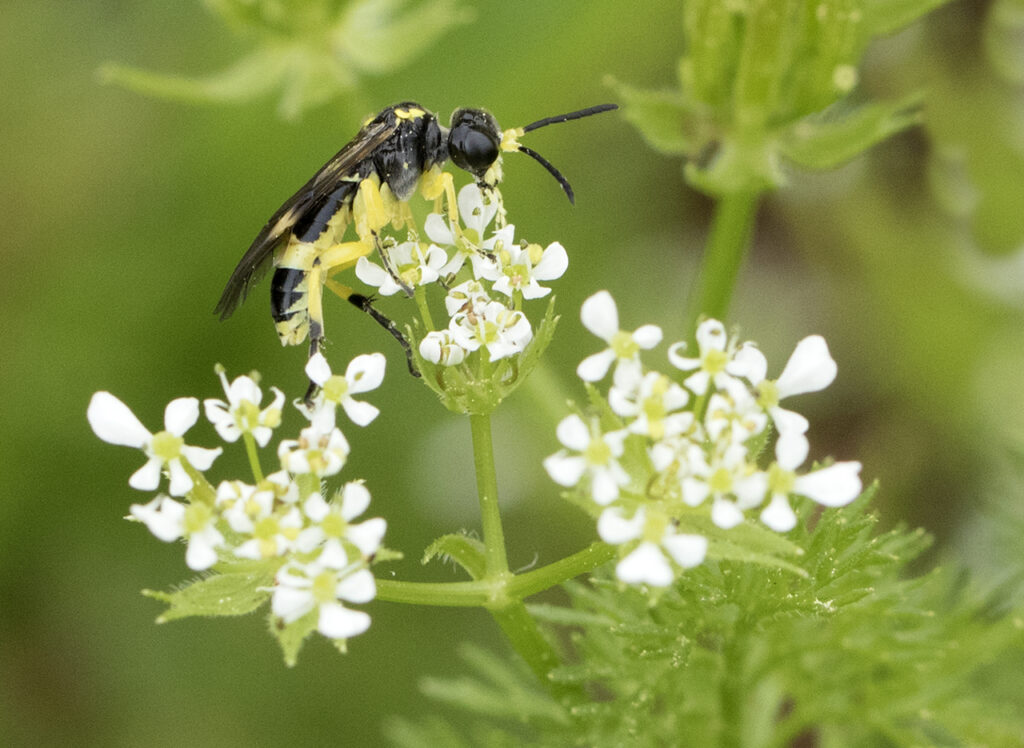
368	183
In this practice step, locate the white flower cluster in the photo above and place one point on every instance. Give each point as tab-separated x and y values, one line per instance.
321	553
699	441
484	311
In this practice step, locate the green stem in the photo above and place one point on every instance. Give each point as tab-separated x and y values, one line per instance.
538	580
485	593
487	490
727	246
420	295
254	457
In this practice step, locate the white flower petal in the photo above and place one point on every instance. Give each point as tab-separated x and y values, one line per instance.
694	491
573	433
809	369
645	565
647	336
437	229
791	449
358	587
600	316
113	422
788	421
748	362
147	477
338	622
711	336
750	490
565	470
678	360
778	515
604	485
698	382
360	413
355	498
199	457
290	604
367	536
835	485
595	366
614	527
163	516
317	369
181	481
725	514
316	507
201	553
181	414
687	550
553	263
365	372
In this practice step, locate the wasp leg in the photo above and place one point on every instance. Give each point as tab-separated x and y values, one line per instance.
366	304
316	319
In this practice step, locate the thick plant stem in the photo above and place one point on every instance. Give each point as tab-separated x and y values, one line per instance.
726	250
487	490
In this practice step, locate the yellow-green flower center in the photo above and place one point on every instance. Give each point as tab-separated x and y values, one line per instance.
768	394
715	361
781	480
598	453
324	586
166	446
197	516
247	415
333	525
336	388
623	345
720	481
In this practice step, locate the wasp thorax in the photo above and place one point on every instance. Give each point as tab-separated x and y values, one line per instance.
474	140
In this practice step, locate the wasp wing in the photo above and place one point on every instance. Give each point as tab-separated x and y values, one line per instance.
257	258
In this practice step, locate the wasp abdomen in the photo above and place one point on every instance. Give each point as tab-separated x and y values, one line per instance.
313	223
289	304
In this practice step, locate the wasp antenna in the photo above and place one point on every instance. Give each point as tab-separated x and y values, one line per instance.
571	115
551	170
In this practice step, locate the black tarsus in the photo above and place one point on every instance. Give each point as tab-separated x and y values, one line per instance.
570	116
366	304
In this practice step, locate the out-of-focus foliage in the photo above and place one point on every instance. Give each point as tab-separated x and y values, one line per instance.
124	216
311	51
976	179
854	654
762	82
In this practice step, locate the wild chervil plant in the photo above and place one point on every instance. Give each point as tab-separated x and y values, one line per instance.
736	595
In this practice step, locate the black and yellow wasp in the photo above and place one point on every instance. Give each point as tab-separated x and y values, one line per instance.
369	183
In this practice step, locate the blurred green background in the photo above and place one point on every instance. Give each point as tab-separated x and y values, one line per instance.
125	215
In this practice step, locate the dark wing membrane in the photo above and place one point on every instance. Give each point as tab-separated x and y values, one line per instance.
257	258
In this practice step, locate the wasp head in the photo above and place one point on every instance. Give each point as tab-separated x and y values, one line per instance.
474	143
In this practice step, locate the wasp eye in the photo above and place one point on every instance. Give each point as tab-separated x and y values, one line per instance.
474	141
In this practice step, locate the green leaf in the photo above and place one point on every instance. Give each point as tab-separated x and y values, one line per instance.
828	140
216	595
467	552
888	16
250	77
291	636
660	117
